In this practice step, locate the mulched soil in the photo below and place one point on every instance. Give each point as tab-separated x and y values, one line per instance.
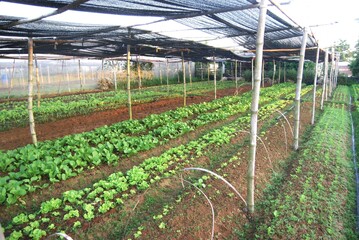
18	137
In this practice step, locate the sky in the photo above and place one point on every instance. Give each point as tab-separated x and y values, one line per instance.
336	19
325	12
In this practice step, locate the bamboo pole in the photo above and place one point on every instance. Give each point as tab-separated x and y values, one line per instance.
41	75
139	73
331	76
160	73
92	74
115	76
240	69
167	77
178	76
298	90
22	77
30	82
7	78
11	79
84	78
252	73
184	81
274	70
315	84
285	72
80	75
215	78
254	106
235	75
208	72
279	71
37	83
129	81
190	74
336	70
48	74
201	71
68	80
263	73
325	79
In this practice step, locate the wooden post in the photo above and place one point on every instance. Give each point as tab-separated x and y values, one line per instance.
315	84
80	75
254	106
184	81
215	78
129	81
30	82
167	77
190	74
235	75
285	72
325	79
37	82
298	90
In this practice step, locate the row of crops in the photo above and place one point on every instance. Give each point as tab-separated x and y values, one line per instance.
312	197
14	114
30	168
317	199
66	157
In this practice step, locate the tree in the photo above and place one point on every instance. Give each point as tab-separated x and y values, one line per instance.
343	47
354	64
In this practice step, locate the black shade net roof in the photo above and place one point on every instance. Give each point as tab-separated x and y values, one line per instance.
99	42
236	19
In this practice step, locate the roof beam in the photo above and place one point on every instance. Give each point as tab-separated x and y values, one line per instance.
73	5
